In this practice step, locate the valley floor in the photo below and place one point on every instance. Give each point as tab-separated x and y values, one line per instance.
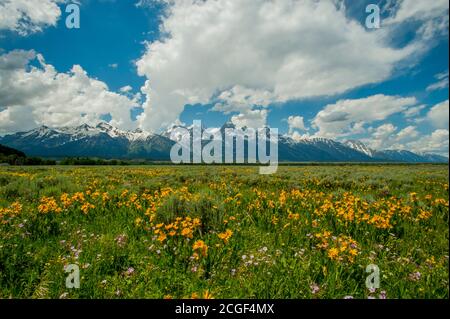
225	231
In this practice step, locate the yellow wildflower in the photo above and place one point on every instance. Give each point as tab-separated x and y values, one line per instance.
333	253
200	245
226	235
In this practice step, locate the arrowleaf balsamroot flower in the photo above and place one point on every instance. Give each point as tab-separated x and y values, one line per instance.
226	235
201	247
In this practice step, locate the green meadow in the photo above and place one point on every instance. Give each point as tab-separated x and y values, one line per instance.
225	231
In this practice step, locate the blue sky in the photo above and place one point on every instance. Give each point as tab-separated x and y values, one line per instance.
111	32
206	55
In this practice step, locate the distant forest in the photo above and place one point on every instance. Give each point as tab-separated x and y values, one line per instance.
12	156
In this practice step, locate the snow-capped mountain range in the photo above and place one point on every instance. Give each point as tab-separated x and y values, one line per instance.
106	141
83	131
359	146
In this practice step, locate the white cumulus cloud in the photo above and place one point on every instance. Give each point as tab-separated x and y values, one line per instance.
28	16
347	117
126	89
252	119
35	95
438	115
255	52
296	122
436	142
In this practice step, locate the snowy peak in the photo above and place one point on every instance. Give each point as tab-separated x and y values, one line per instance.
86	130
360	147
323	140
229	125
85	127
112	131
42	132
105	126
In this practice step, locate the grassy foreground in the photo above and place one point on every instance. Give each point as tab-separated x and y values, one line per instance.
224	232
